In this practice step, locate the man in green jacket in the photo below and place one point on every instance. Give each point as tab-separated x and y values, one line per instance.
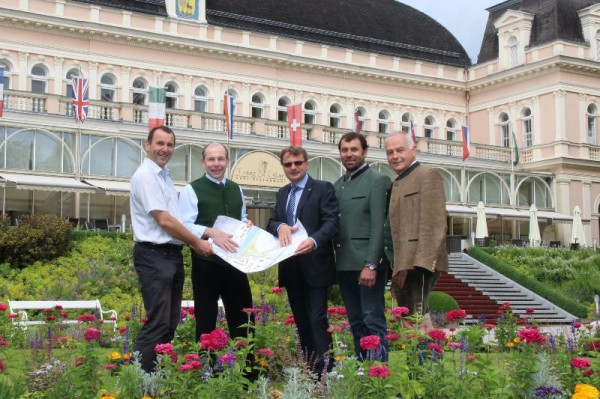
361	272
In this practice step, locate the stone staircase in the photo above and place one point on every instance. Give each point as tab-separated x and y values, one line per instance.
480	290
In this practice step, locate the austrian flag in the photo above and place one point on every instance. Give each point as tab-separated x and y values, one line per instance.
81	89
157	107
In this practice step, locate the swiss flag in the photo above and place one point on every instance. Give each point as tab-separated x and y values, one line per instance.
294	114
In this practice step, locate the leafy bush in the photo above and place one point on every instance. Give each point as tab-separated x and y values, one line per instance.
440	302
38	237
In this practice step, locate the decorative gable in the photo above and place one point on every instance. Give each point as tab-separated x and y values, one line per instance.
514	35
590	24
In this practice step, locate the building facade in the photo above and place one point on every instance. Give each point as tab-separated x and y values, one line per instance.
536	84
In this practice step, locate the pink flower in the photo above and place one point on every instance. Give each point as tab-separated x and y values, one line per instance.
370	342
191	357
454	345
576	324
228	358
214	340
439	335
86	318
392	337
471	358
529	310
432	346
2	366
276	290
455	315
13	316
3	307
266	352
186	367
531	336
489	326
163	349
581	363
379	371
91	334
110	366
399	311
3	343
252	310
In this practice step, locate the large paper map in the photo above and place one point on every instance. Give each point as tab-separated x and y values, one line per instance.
258	250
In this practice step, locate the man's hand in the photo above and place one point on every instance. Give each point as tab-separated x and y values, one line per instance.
249	223
222	240
367	277
285	234
202	247
305	247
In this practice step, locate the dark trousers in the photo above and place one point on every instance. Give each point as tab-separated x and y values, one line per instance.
417	287
161	276
309	306
211	280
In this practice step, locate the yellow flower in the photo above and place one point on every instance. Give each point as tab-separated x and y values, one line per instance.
403	346
510	344
275	394
517	340
115	356
126	356
584	391
263	363
147	397
339	358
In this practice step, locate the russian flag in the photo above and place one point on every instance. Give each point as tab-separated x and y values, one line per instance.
1	91
466	142
229	110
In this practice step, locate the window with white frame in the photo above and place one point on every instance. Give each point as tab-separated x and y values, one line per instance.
451	130
513	46
527	133
140	91
69	81
406	122
200	99
598	46
361	113
108	87
257	105
335	115
383	121
504	124
592	113
7	71
39	79
428	125
282	109
310	112
172	95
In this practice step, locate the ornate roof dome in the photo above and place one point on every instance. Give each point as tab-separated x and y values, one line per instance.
376	26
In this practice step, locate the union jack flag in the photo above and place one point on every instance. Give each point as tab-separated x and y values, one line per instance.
81	89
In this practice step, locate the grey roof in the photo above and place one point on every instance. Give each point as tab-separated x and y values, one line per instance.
553	20
378	26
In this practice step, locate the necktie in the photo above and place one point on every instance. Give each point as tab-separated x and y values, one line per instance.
289	212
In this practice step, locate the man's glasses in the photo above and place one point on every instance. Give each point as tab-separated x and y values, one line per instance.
295	163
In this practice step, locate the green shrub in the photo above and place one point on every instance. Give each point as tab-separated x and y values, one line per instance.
440	302
38	237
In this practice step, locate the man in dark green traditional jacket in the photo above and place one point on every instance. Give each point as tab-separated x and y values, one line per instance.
200	203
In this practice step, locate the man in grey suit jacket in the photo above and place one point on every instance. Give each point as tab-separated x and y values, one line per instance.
361	272
307	275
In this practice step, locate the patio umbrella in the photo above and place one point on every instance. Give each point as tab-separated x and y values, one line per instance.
577	235
481	230
534	228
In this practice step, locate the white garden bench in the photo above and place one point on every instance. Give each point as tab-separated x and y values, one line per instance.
21	307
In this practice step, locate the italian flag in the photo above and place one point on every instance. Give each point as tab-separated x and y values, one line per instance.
156	108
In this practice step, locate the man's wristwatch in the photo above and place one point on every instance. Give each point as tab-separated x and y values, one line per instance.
371	265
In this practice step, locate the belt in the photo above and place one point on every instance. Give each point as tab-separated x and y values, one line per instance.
167	246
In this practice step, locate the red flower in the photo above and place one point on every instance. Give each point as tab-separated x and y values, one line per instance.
13	316
79	361
399	311
489	326
379	371
581	363
370	342
50	318
214	340
455	315
164	349
576	324
531	336
86	318
228	358
144	320
2	366
47	310
276	290
3	343
110	366
64	315
439	335
3	307
471	358
529	310
189	357
588	373
433	346
290	320
122	330
392	337
266	352
127	318
251	310
58	307
91	334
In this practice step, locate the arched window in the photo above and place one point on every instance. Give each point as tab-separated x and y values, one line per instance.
504	130
383	120
335	115
110	156
527	134
7	72
171	95
534	191
428	125
200	99
406	122
451	130
69	81
39	79
323	168
257	105
488	188
310	113
592	113
513	45
108	87
282	109
185	165
140	91
361	113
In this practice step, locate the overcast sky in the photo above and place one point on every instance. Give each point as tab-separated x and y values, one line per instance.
465	19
